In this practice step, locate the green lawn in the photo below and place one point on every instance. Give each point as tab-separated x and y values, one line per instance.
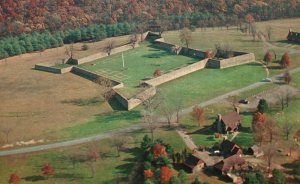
140	63
107	169
209	83
103	123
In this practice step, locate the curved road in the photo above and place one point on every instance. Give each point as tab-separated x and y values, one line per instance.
137	126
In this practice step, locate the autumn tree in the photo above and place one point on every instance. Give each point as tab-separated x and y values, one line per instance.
176	49
287	77
249	19
285	60
93	152
69	51
6	131
259	117
148	173
106	85
47	170
259	132
185	36
268	58
14	179
157	73
165	175
198	114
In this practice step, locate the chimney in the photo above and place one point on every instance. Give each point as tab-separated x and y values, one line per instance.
219	117
237	109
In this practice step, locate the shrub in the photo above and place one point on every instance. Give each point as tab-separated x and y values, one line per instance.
85	47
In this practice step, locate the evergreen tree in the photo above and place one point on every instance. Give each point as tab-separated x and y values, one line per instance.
183	177
175	180
278	177
28	45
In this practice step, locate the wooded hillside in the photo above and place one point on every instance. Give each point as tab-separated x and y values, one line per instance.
18	16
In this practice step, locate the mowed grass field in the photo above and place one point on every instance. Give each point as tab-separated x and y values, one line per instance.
71	165
140	64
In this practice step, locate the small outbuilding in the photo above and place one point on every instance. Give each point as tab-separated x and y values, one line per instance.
194	163
256	151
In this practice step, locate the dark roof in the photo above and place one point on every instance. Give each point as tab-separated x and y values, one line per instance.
192	161
229	148
232	120
227	144
226	164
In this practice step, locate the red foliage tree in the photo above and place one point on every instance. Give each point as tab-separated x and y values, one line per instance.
159	150
165	175
209	54
47	169
285	60
268	58
14	179
259	117
148	173
198	114
157	73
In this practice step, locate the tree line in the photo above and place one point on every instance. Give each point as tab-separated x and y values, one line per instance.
39	41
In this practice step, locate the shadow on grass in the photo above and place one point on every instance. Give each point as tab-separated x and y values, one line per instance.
288	42
156	55
34	178
116	105
118	115
84	102
212	172
204	131
69	176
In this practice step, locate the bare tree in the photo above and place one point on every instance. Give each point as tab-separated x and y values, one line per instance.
92	166
141	28
150	104
119	142
107	85
269	152
133	40
109	47
168	111
271	129
185	36
253	31
6	131
285	94
288	128
69	51
269	30
93	152
163	26
259	132
176	49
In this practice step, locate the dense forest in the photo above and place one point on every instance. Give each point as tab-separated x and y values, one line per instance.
18	16
34	25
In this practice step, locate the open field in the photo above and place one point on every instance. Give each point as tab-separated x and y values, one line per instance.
140	64
209	83
41	103
107	169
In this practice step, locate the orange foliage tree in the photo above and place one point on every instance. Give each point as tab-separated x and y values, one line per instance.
157	73
268	58
148	173
165	175
159	150
285	60
47	169
259	117
198	114
14	179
